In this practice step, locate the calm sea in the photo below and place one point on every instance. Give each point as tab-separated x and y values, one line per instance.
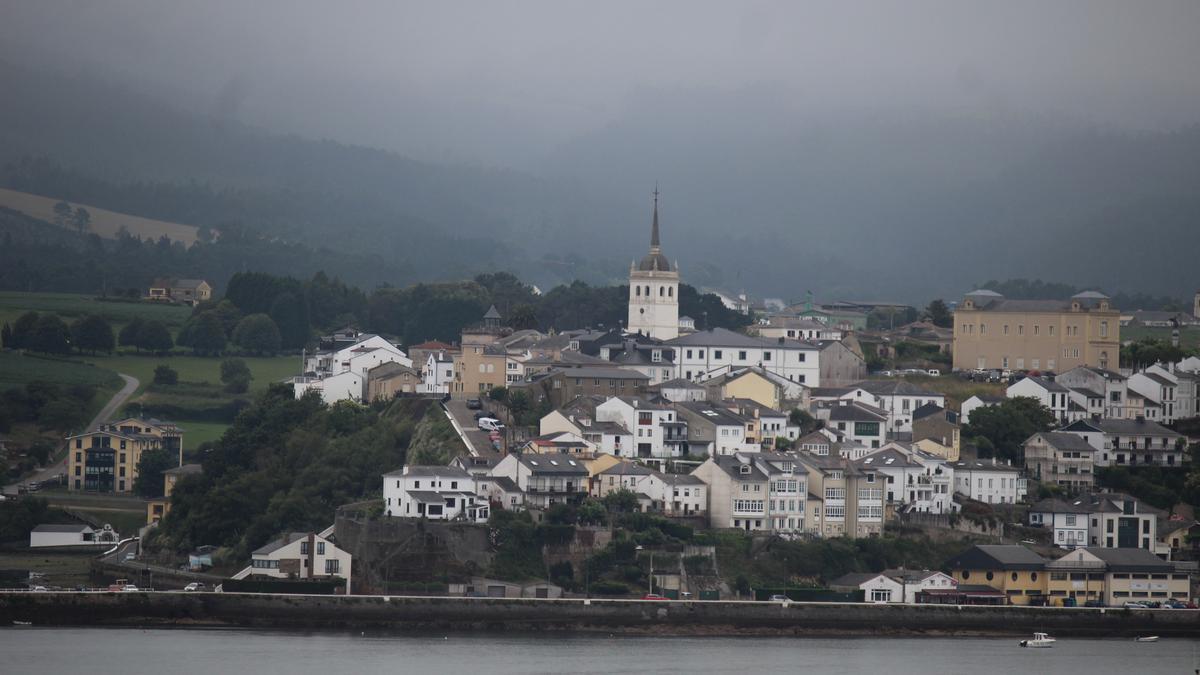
134	651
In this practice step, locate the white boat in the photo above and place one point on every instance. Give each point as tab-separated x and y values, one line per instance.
1039	640
1148	638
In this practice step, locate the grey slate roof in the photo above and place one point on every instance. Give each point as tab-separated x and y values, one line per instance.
74	528
1122	427
439	471
895	388
279	543
723	337
1062	440
855	579
997	557
1131	560
553	464
856	412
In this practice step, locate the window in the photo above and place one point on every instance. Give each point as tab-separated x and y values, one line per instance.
766	356
1005	329
881	595
742	355
1020	329
304	548
320	548
1103	329
331	566
716	354
1036	330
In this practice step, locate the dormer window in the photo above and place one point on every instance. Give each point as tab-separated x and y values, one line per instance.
744	469
656	355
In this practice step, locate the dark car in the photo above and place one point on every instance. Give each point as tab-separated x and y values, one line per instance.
1094	603
474	404
480	415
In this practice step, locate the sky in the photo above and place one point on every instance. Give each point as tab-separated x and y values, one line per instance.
507	83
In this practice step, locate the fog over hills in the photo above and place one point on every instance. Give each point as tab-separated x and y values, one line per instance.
862	152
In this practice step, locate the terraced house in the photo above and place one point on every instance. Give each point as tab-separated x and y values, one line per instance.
106	460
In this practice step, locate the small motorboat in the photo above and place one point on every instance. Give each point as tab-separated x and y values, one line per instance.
1148	638
22	623
1038	640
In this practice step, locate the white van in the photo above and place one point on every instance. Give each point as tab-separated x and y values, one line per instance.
490	424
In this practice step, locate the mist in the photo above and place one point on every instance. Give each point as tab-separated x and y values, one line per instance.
798	145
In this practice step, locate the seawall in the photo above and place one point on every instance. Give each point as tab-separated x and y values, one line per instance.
609	616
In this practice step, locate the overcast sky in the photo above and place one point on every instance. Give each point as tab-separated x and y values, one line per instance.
504	83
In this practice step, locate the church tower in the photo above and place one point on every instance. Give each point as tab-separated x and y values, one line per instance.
654	290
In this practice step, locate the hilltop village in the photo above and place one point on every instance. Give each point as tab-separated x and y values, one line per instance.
992	451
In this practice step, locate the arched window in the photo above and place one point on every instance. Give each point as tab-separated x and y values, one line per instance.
637	290
662	290
647	291
671	291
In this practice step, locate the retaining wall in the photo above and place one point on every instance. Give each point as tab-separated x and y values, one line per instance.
657	617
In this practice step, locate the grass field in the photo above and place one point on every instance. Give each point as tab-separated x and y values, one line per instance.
195	433
197	369
103	222
955	388
17	369
1189	337
67	570
70	306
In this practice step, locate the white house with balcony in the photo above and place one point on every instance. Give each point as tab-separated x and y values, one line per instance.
1136	442
755	491
1051	394
913	480
658	433
545	480
1067	521
433	493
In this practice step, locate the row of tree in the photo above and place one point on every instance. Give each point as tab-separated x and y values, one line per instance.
49	334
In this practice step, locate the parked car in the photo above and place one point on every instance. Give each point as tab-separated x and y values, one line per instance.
933	372
195	586
653	596
130	556
779	598
129	588
1135	605
479	414
38	589
1094	603
474	404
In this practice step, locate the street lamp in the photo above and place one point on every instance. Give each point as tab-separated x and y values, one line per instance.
639	547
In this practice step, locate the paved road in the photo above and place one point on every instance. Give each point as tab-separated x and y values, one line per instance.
466	419
114	404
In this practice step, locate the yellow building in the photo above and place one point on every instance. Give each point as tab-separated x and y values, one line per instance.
157	509
995	333
1014	570
106	460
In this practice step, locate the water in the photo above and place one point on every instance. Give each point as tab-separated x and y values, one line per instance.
132	651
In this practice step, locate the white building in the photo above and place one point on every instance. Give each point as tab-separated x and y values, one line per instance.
989	481
545	480
1067	521
301	555
915	481
976	402
877	587
857	422
1051	394
680	389
755	491
899	399
797	328
657	431
438	373
433	492
654	291
1121	442
1112	385
341	374
1158	385
76	534
715	430
705	354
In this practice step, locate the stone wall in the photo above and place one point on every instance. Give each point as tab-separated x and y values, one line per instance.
656	617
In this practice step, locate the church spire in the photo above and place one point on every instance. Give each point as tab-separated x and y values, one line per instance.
654	245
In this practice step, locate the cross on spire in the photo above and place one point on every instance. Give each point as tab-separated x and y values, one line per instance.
654	244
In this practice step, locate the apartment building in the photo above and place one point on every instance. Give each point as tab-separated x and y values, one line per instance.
106	460
756	491
991	331
1136	442
1061	458
989	481
843	499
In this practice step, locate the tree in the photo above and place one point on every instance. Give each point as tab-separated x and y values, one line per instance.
22	332
128	337
804	420
204	333
621	501
939	314
82	220
62	214
523	317
164	374
150	468
257	334
92	333
289	314
51	335
235	374
1007	426
498	394
6	336
154	337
